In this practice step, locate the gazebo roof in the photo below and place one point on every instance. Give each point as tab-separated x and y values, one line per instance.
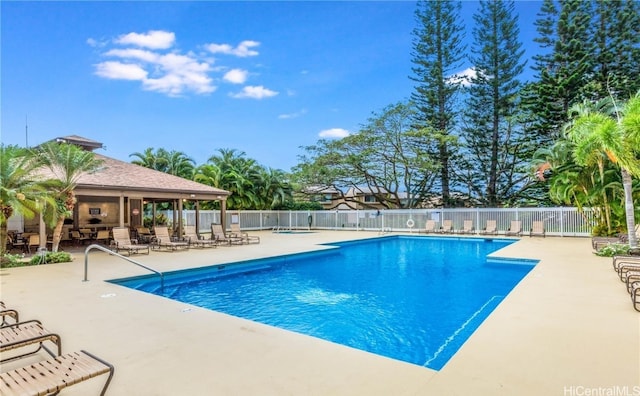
116	176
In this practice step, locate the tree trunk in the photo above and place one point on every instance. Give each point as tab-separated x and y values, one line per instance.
57	234
629	211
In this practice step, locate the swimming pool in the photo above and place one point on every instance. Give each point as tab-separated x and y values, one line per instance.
415	299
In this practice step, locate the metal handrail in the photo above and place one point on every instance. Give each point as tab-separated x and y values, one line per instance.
111	252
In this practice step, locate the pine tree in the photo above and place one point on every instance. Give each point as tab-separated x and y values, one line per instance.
616	55
437	54
492	138
562	74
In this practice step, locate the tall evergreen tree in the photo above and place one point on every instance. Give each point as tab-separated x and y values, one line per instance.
492	138
437	54
563	73
616	55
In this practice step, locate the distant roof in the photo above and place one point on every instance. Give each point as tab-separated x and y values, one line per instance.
83	142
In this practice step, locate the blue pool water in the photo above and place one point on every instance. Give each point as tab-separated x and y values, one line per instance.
415	299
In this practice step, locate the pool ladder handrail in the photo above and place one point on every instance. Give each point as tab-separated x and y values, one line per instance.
111	252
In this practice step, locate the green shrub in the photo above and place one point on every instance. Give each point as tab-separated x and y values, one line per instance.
51	258
11	260
613	249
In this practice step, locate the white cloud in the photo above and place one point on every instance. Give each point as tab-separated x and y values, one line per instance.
292	115
334	133
464	77
243	49
154	39
236	76
254	92
172	73
120	71
149	58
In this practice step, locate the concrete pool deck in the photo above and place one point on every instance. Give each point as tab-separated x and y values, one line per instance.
566	329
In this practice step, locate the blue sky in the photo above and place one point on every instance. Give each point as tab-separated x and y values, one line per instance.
264	78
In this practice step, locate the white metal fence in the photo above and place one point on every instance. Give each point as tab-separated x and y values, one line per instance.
557	221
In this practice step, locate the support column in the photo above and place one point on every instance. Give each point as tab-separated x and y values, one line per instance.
223	213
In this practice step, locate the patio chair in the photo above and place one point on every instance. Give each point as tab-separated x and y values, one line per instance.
467	227
447	227
537	229
103	235
122	241
196	240
144	234
25	334
490	228
15	242
163	240
34	241
430	226
79	238
515	229
8	313
246	238
53	375
219	235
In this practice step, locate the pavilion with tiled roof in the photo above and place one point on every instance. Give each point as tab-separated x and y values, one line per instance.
116	192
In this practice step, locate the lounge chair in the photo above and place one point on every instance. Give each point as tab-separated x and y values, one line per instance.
24	334
53	375
515	229
619	260
490	228
537	229
163	240
246	238
635	295
467	227
195	240
430	226
625	268
122	241
8	313
219	235
447	227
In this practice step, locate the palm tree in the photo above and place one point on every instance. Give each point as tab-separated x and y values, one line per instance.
237	174
172	162
67	162
606	131
20	190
